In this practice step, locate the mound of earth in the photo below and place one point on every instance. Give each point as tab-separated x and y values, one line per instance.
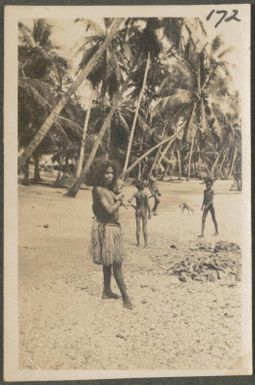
210	263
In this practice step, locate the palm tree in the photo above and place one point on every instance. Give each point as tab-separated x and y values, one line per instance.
197	73
42	74
105	76
146	46
136	113
52	117
152	149
75	187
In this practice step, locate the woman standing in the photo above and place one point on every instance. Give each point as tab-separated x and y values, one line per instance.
106	245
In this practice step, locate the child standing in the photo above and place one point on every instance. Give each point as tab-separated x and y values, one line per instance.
142	211
207	206
154	191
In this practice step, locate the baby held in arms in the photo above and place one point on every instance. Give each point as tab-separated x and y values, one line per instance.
118	192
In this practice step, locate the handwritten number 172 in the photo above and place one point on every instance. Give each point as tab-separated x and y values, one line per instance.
223	17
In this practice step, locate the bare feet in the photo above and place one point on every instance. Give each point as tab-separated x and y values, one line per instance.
127	304
201	236
138	244
110	295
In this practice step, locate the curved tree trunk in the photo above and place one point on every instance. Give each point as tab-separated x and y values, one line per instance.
130	142
192	141
83	139
75	187
199	166
191	153
178	152
163	153
75	85
225	154
26	180
37	177
231	169
108	144
187	126
130	168
166	171
58	179
155	160
59	176
212	172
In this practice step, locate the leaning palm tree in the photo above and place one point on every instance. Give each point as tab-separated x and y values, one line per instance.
43	74
198	71
106	76
63	100
147	48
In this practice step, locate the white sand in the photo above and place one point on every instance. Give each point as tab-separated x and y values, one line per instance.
64	324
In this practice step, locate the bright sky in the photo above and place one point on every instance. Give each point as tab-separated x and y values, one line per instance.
68	36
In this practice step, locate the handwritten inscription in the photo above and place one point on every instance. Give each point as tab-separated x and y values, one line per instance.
223	16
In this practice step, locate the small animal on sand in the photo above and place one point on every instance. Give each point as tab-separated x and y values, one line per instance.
184	206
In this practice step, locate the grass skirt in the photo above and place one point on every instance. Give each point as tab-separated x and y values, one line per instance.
106	243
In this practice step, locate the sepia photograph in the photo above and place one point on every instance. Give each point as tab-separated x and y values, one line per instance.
127	192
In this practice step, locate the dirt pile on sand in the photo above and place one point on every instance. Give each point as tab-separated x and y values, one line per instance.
209	263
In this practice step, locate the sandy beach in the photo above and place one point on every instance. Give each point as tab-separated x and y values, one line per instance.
64	323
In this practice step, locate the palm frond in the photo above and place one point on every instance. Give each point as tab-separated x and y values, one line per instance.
38	90
225	51
217	43
123	122
172	29
71	124
177	96
41	33
60	130
88	42
145	127
107	22
26	35
90	25
201	25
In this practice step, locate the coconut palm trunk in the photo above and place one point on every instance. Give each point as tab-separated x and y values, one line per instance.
164	152
199	166
216	162
83	139
155	160
75	187
192	141
231	169
164	141
60	171
76	84
130	142
178	153
166	171
221	168
191	153
26	179
154	164
37	177
58	178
